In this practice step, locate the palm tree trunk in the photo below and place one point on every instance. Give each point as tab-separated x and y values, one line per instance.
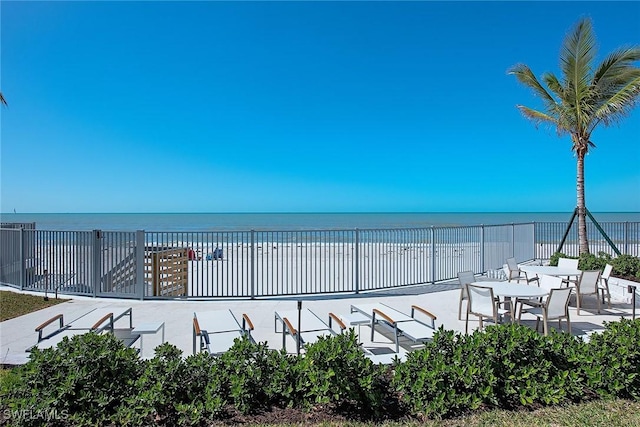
582	213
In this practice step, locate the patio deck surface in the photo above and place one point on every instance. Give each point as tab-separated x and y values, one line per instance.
16	335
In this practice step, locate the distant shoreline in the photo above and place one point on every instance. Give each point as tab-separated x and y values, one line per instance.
289	221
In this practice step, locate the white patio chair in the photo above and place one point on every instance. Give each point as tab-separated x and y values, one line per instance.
588	284
604	284
514	272
555	307
545	282
569	263
464	277
482	304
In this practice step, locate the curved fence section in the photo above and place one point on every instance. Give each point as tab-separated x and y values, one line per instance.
254	264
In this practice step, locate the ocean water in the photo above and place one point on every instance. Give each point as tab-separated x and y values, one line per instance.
286	221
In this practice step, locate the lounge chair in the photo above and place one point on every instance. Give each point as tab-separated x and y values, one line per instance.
399	323
92	321
217	330
310	328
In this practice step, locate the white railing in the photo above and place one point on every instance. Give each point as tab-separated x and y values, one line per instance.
254	264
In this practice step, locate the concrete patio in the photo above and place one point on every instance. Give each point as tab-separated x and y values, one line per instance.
17	335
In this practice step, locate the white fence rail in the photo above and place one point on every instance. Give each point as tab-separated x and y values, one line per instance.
254	264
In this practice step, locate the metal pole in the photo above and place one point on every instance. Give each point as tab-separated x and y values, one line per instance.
253	261
140	249
23	267
46	286
602	232
433	255
566	232
356	261
97	252
632	289
482	269
299	329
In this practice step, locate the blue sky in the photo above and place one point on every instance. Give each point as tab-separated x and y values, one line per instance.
298	107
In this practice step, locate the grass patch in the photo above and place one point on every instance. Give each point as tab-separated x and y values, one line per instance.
13	304
617	412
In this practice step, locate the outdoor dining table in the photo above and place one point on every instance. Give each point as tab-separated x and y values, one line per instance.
550	270
513	290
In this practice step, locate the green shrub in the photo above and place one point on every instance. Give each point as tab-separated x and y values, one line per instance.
448	377
555	257
505	366
253	376
623	265
611	360
626	266
173	391
82	381
531	368
334	370
593	262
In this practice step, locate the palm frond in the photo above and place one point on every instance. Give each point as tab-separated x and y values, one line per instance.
620	104
616	63
525	76
576	57
539	117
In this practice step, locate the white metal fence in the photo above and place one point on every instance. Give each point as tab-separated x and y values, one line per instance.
253	264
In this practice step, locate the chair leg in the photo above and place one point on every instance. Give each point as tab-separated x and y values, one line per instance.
578	298
481	325
466	324
545	324
598	299
568	324
537	323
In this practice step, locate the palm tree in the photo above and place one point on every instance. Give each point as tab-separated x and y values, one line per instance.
587	95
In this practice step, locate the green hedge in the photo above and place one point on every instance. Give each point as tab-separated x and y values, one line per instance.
623	265
93	380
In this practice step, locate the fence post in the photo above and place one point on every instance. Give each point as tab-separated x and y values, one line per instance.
23	267
97	251
253	261
356	261
626	238
513	239
140	285
433	255
482	266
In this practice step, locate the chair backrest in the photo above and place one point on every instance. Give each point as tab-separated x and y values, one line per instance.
558	302
465	277
589	282
481	300
512	264
513	271
568	263
607	271
549	282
